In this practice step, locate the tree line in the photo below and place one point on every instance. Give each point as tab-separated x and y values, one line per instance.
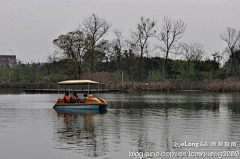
87	50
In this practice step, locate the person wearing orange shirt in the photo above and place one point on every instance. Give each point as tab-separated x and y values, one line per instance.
66	97
90	95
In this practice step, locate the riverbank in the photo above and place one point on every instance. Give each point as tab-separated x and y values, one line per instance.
227	85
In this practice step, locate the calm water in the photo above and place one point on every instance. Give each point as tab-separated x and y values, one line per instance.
139	122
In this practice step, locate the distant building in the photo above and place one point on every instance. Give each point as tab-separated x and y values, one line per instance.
8	60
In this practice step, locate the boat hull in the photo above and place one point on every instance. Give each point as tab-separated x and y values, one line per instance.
82	111
82	107
90	104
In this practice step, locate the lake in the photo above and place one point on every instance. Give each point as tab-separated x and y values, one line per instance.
136	125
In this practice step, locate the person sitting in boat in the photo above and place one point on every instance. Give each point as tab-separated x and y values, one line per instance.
66	98
85	98
74	98
90	95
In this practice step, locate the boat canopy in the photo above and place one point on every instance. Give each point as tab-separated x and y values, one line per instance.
77	82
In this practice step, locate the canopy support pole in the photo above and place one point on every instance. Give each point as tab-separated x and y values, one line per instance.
98	88
88	88
58	91
69	90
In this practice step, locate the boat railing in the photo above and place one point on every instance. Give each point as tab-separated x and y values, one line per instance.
53	87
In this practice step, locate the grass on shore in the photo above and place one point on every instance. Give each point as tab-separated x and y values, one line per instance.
227	85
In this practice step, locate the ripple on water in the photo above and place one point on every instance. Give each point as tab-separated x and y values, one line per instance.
136	122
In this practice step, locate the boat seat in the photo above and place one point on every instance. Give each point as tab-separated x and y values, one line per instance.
60	100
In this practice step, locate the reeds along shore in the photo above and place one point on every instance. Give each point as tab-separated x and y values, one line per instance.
152	86
227	85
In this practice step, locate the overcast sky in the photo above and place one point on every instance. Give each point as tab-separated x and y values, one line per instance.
28	27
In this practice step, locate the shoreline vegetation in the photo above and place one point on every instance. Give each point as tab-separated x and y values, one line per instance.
132	63
226	85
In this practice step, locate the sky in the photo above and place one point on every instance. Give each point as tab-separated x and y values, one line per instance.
28	27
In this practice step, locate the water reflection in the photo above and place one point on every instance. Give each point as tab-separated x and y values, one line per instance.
138	125
76	131
233	118
134	122
233	104
194	105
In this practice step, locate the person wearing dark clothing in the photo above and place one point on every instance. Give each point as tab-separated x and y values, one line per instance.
85	98
75	98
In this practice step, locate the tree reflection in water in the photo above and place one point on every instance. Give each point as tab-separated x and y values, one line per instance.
140	125
76	131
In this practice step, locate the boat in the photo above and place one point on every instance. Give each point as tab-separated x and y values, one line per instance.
90	104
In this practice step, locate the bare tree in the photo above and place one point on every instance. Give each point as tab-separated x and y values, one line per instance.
217	57
187	54
95	29
118	38
116	48
231	37
73	47
54	57
102	51
193	51
145	30
172	31
197	51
